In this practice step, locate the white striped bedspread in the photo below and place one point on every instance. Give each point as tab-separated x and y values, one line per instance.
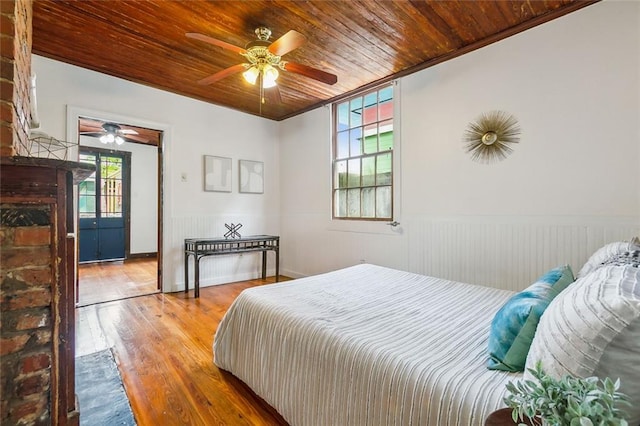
366	345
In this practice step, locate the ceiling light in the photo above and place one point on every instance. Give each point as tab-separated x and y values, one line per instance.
269	76
251	75
108	138
111	134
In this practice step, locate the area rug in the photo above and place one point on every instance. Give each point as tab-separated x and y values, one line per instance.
101	395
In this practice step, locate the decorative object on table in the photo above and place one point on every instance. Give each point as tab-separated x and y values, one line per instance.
232	230
217	173
488	139
251	176
566	401
42	145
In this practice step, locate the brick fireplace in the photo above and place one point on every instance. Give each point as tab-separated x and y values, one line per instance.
37	250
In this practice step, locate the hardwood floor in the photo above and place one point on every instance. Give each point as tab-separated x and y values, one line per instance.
163	347
107	281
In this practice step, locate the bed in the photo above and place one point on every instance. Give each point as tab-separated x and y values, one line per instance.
366	345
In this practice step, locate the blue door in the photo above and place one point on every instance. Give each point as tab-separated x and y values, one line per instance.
101	201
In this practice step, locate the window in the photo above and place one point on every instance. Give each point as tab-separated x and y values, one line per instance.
107	195
363	156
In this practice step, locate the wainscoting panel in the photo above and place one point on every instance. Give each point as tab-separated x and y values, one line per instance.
505	252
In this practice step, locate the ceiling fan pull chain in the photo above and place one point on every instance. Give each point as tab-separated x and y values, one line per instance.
261	93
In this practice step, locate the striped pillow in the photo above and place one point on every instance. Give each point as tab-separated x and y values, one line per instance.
593	329
606	252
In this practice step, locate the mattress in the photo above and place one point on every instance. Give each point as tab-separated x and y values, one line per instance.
366	345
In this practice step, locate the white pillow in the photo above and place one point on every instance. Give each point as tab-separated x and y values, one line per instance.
607	251
593	329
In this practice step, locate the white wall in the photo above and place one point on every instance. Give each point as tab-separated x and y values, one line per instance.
144	193
191	129
572	183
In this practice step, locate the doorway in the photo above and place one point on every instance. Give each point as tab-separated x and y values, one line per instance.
103	201
119	213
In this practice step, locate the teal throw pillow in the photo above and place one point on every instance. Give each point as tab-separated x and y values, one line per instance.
514	325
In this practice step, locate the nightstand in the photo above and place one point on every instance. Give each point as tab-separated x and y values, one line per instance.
502	417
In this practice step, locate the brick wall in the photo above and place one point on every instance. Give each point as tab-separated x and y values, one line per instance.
27	275
26	326
15	73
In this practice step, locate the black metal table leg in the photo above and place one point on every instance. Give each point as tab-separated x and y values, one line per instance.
186	272
197	277
264	264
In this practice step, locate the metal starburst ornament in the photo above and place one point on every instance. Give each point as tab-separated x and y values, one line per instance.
488	138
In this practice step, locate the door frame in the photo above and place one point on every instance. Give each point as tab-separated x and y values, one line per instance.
164	194
126	197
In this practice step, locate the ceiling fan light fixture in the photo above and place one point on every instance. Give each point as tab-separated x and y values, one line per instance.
108	138
119	140
269	76
251	75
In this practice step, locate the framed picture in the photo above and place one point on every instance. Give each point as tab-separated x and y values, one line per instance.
251	177
217	173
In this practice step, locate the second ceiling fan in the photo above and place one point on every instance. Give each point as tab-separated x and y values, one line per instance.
264	59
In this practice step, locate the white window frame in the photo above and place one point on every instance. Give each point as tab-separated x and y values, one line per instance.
368	225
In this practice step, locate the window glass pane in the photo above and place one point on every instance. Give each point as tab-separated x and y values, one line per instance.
342	148
111	190
383	169
87	206
87	158
356	112
383	202
341	203
341	174
368	171
369	202
370	108
354	173
87	186
371	138
343	116
87	190
353	202
386	135
385	109
355	142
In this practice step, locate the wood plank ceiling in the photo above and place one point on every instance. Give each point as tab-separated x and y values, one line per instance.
363	42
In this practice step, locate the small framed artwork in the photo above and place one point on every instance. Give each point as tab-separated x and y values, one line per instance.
217	173
251	177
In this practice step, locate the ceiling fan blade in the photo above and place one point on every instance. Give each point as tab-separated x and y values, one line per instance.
135	138
222	74
90	127
286	43
216	42
128	132
94	134
311	72
273	95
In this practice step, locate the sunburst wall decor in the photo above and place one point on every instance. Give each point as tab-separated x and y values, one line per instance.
488	138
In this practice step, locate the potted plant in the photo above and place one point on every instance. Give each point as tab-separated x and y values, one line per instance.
569	401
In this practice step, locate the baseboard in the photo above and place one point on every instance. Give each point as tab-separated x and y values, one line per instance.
134	256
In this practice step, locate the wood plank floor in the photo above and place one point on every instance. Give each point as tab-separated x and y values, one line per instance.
107	281
163	346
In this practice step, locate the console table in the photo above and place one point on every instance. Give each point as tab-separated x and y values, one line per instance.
201	247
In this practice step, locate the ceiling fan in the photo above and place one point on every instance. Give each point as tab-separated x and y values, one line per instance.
264	58
107	132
